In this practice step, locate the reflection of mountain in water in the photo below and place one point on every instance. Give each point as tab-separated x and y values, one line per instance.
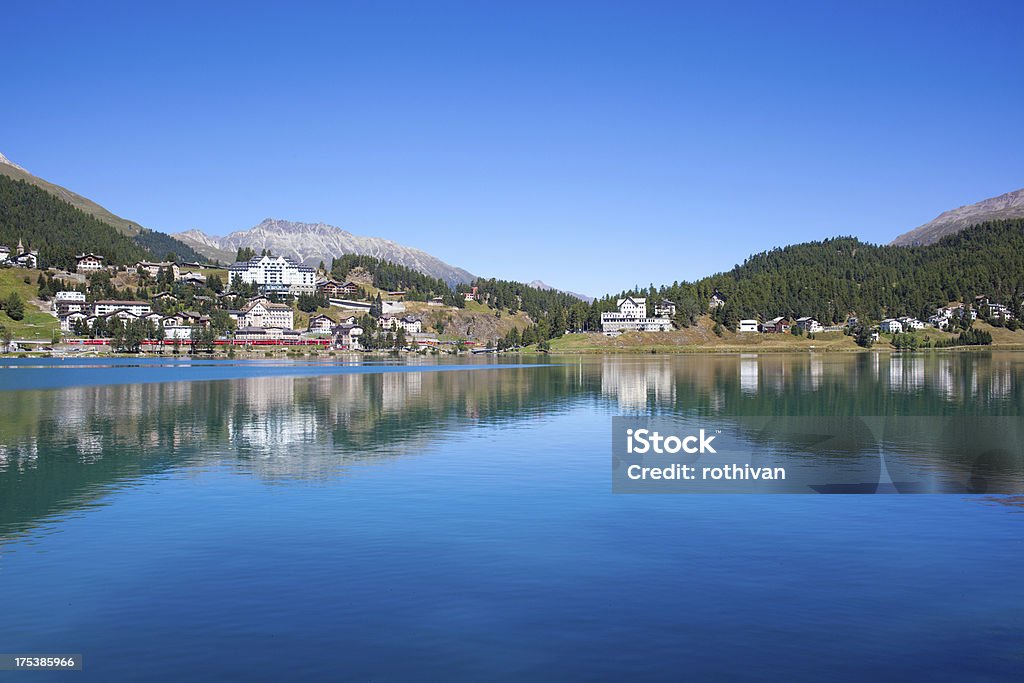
62	448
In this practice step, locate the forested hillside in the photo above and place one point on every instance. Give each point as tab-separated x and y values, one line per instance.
160	245
57	229
60	231
391	277
835	277
830	280
516	296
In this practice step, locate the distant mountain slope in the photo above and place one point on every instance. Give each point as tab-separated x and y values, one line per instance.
40	220
1009	205
311	243
834	277
539	284
12	170
158	243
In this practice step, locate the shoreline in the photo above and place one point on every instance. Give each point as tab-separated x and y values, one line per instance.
286	353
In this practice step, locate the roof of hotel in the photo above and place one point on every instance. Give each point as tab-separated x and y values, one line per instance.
255	261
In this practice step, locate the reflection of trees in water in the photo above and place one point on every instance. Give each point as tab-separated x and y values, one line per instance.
820	384
63	448
60	447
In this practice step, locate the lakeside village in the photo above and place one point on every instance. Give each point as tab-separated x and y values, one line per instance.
633	315
256	306
189	304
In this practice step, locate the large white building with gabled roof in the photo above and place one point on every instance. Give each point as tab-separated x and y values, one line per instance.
277	274
632	316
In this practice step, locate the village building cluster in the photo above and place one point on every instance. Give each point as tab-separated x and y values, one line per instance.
21	257
632	316
269	284
266	317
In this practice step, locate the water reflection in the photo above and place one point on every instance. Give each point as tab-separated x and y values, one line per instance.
61	448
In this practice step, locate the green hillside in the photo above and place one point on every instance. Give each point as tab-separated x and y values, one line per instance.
57	229
160	245
828	280
157	243
832	278
34	323
389	276
76	200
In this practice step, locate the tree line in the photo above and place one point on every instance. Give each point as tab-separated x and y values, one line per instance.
60	231
834	278
392	277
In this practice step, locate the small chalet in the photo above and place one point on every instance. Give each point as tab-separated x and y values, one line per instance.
333	289
88	263
191	278
808	325
347	336
664	309
321	324
779	325
891	326
153	268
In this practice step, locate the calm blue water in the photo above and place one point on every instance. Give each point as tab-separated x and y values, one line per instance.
390	523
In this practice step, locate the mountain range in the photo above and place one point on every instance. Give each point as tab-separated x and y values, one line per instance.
1009	205
311	243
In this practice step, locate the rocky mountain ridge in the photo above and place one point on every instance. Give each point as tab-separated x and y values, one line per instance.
311	243
1009	205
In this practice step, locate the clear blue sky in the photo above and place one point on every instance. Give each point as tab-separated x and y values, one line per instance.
526	139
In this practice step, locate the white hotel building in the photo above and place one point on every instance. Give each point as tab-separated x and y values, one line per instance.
632	315
274	274
136	308
262	313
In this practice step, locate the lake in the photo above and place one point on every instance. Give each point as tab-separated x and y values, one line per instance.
428	520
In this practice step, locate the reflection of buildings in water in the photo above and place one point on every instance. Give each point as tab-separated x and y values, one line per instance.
271	418
748	373
397	388
281	427
906	372
775	374
943	379
1000	381
970	384
633	382
817	371
19	457
94	418
272	430
265	392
